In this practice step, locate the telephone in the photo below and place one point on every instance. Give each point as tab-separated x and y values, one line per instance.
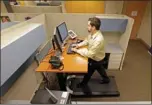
72	34
56	63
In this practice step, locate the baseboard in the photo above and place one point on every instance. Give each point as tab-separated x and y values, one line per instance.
143	42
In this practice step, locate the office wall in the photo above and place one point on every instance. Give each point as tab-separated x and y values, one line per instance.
139	7
36	9
84	6
107	7
113	7
145	28
3	8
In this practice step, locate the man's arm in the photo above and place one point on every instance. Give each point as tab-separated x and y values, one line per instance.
84	43
92	51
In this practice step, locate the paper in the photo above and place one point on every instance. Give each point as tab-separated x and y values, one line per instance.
134	13
64	94
62	101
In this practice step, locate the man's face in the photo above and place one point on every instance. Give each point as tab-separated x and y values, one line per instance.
4	19
90	28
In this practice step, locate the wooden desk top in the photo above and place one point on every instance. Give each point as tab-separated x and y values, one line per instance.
73	63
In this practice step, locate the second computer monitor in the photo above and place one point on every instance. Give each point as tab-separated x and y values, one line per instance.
58	36
63	31
59	47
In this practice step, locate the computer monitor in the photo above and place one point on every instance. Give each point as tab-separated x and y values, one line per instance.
53	43
59	47
56	32
63	31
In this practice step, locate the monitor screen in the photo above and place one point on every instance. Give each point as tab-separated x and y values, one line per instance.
63	31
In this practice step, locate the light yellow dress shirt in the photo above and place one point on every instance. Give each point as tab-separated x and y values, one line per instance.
95	48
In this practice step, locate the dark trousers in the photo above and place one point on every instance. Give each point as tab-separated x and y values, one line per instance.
92	66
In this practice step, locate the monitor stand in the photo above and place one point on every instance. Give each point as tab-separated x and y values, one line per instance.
65	41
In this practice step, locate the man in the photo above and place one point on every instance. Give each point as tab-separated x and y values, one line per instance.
5	19
95	51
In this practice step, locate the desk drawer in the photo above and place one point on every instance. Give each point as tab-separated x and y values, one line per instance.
115	57
113	65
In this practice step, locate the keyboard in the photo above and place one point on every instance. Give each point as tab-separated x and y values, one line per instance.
69	51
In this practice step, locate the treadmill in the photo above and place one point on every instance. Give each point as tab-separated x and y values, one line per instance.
94	88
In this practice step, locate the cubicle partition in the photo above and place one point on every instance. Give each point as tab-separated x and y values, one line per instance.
20	17
7	25
25	47
16	48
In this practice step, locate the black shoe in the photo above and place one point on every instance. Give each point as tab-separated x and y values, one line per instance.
104	81
79	85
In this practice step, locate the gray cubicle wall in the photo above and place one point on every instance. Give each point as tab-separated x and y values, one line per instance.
16	54
7	25
113	25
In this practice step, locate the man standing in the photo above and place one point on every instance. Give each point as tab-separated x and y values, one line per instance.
95	51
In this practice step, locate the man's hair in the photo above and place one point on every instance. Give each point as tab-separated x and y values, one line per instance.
95	22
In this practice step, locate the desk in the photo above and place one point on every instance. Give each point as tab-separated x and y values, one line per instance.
73	63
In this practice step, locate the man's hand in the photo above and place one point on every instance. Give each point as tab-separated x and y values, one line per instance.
75	46
74	49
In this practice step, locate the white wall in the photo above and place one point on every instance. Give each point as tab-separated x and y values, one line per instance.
113	7
145	29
